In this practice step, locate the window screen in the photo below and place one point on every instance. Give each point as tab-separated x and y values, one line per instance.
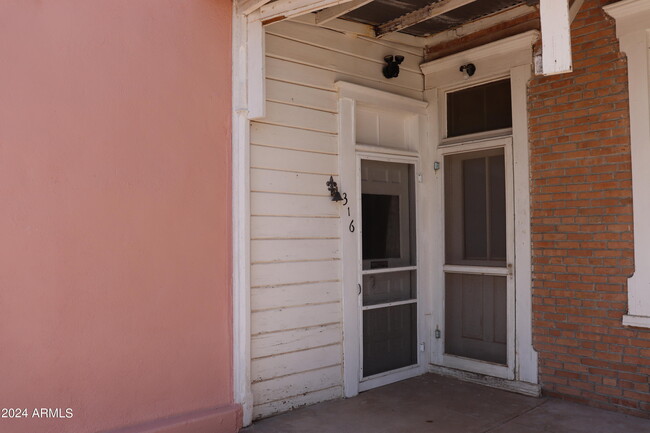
482	108
475	208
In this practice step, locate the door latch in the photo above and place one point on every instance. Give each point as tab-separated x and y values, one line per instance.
509	266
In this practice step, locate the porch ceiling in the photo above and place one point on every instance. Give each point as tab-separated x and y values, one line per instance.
380	12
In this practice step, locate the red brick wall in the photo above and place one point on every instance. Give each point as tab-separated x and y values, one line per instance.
582	226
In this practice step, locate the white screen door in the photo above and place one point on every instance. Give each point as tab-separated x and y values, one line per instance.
478	252
388	295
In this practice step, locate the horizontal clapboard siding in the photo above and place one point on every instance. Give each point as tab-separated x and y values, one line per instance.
294	139
294	340
303	382
278	320
296	293
268	227
272	407
289	250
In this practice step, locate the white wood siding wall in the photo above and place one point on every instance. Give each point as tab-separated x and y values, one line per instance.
295	273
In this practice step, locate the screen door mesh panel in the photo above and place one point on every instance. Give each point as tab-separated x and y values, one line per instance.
475	209
389	338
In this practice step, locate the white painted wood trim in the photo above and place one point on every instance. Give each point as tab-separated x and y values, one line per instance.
390	377
526	363
475	270
518	386
479	136
349	249
633	30
389	304
636	321
371	148
556	37
329	14
511	300
523	41
511	57
629	10
478	367
380	99
241	222
472	145
388	270
255	74
435	184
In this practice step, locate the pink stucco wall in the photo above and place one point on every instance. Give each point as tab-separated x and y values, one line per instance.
115	259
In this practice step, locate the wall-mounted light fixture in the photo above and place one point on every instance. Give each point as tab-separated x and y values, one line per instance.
391	70
334	190
468	69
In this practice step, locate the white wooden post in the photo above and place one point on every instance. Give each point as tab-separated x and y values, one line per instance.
241	222
556	37
256	69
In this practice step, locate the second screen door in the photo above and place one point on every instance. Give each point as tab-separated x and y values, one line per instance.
475	247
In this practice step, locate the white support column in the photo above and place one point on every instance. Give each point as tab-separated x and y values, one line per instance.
241	222
526	357
256	67
556	37
350	254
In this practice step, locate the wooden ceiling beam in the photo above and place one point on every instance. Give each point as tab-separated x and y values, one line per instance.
574	9
412	18
248	6
329	14
283	9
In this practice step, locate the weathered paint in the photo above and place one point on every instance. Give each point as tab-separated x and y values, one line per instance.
296	293
115	261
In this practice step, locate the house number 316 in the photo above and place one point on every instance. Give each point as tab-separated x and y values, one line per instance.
351	226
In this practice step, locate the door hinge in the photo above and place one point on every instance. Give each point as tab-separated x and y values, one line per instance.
422	347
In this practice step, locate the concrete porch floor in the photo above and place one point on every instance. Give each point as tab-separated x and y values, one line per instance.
431	403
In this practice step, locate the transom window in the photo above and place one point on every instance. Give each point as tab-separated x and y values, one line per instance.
487	107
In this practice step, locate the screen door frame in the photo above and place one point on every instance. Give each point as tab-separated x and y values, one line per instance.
366	383
506	371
